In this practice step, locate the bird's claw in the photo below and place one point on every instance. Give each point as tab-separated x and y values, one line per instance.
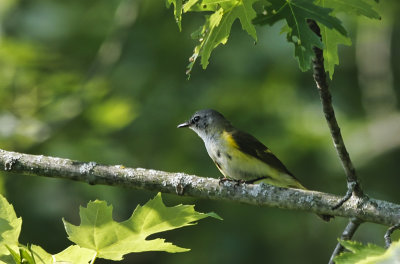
238	183
222	180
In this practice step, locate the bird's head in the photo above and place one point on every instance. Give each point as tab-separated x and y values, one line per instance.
206	123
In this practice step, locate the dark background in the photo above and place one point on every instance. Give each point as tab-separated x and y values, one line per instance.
105	81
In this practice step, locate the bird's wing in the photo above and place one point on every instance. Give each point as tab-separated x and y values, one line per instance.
251	146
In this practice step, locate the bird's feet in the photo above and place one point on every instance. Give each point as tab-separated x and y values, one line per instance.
222	180
238	183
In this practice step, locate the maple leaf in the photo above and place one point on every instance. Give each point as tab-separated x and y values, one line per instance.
296	13
111	240
10	227
178	7
351	7
360	253
331	38
37	255
217	26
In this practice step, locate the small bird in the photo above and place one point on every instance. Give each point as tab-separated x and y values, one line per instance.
238	155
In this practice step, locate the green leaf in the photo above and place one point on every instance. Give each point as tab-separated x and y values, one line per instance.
392	255
368	254
217	27
351	7
296	13
26	255
331	39
16	257
7	259
75	254
197	6
189	4
10	227
40	255
72	254
111	240
177	11
358	252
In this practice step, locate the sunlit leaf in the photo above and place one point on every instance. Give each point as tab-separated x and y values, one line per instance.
358	252
10	227
111	240
217	28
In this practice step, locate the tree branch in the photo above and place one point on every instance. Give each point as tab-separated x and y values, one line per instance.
353	184
347	234
320	78
368	210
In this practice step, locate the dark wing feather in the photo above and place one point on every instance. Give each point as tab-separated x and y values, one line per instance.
251	146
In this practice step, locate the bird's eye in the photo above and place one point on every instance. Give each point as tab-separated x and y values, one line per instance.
196	119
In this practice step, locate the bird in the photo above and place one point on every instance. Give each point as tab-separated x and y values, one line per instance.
238	155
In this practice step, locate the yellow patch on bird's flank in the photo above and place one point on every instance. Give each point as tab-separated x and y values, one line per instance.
243	166
229	139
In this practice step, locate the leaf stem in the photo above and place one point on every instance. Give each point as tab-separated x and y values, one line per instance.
94	258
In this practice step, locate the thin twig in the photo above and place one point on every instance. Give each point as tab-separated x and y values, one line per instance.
371	210
347	234
353	184
389	232
326	99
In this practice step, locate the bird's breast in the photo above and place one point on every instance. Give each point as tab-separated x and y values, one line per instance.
235	164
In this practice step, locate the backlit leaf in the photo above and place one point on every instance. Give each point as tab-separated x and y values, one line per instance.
111	240
10	227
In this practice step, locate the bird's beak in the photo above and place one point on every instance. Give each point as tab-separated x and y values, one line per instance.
186	124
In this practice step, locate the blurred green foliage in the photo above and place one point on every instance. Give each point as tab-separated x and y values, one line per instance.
105	81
